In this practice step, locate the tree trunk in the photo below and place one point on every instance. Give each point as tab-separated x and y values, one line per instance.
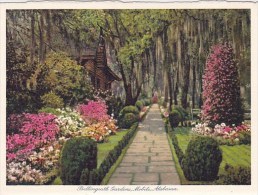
42	47
186	83
194	86
49	27
33	41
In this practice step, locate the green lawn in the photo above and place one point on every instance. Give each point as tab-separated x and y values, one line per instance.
103	150
233	155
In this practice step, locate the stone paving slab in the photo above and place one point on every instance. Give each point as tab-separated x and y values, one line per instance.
148	160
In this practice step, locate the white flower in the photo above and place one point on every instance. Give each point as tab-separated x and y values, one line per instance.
223	124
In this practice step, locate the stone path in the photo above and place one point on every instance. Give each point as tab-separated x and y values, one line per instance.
148	160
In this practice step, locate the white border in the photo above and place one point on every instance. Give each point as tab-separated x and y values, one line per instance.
207	189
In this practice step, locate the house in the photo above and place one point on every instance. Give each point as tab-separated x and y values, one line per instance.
95	62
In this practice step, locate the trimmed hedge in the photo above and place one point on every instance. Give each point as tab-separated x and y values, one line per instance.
128	120
95	176
202	159
78	154
139	104
173	137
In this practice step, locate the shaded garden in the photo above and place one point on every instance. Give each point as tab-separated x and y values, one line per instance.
61	125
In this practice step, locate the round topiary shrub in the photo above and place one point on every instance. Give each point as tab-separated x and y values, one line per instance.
202	159
174	118
139	104
129	109
128	120
78	154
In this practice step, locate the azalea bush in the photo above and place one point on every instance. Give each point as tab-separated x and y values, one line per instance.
93	112
100	131
69	121
35	130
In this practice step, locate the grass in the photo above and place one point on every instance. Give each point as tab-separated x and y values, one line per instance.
238	155
106	147
103	150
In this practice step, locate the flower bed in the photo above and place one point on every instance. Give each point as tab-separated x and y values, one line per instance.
225	134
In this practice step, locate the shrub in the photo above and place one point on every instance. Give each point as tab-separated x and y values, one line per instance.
94	112
245	137
52	100
139	104
129	109
202	159
34	131
147	102
221	88
183	113
128	120
78	154
236	175
174	118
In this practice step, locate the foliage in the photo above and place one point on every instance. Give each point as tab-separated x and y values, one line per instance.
183	113
128	120
35	131
19	98
236	176
221	88
245	137
62	76
50	111
77	154
94	112
52	100
128	109
139	104
147	102
202	159
174	118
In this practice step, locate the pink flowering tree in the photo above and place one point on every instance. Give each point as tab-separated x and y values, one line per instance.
94	112
221	88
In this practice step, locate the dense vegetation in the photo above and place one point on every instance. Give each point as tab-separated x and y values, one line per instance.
163	50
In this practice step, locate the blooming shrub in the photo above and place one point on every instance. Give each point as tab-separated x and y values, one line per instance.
22	173
100	131
94	112
69	122
35	131
221	88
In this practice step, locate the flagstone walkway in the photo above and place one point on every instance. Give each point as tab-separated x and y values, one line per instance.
148	160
